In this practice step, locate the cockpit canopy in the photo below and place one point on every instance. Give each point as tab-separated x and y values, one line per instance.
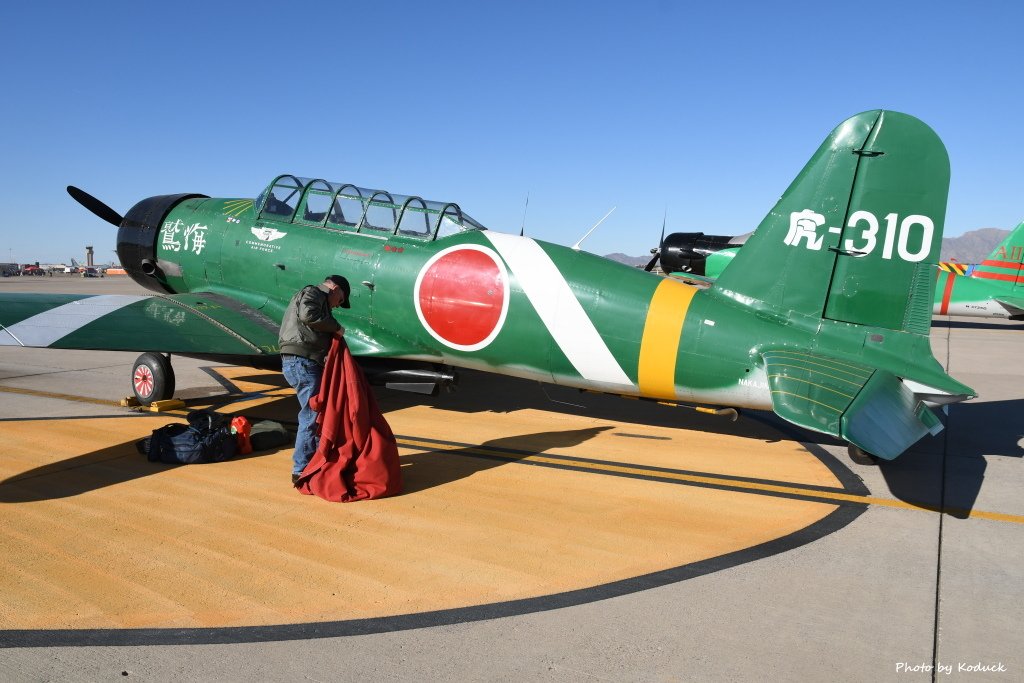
338	206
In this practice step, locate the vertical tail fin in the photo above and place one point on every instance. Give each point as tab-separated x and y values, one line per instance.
1006	262
856	236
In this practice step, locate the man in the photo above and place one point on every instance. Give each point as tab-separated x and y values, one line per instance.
305	338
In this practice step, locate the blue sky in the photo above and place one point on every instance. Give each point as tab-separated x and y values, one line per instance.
707	110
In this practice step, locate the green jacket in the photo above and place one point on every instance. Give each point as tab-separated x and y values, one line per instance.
308	325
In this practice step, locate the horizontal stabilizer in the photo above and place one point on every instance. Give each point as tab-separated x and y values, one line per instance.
812	390
870	408
887	418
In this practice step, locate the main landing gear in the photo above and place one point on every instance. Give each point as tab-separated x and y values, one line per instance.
152	378
860	456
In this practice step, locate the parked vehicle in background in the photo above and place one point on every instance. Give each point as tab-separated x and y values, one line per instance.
32	269
9	269
91	272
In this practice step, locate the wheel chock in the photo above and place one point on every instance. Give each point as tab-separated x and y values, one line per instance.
169	404
129	402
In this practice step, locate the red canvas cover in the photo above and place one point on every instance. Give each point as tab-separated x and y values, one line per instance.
357	458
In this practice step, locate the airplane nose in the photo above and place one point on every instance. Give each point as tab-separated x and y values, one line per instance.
136	239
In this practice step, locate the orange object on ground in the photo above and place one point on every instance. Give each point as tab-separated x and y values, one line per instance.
357	458
241	427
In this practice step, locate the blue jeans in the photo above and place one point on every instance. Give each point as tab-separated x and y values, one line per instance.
304	376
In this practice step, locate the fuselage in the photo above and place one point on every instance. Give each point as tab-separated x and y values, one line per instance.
492	301
484	300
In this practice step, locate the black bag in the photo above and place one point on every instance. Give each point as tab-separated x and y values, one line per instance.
206	438
267	434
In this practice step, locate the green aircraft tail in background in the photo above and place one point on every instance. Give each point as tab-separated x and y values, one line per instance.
992	289
832	335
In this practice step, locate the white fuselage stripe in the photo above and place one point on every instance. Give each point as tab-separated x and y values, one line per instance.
49	326
559	309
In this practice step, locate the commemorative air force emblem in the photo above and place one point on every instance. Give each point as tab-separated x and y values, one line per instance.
268	234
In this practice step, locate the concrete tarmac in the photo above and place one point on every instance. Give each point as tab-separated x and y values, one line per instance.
542	535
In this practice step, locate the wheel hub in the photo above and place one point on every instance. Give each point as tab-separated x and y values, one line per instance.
143	381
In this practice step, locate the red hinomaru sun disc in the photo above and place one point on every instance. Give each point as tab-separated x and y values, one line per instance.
461	296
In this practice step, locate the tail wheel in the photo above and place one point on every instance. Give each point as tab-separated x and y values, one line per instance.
860	456
152	378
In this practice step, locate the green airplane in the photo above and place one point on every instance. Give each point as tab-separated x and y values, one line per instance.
992	289
834	337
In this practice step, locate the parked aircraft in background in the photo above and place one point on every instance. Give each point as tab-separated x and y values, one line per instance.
833	337
695	254
993	288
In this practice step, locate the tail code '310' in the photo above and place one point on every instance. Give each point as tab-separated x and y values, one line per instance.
803	227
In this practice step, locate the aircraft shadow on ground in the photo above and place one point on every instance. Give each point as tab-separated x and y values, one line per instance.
108	466
976	431
122	462
480	393
425	470
921	476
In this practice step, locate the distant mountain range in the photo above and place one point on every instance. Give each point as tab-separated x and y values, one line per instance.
970	247
973	246
629	260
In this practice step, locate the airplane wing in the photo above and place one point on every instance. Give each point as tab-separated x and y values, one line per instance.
197	323
871	408
1014	305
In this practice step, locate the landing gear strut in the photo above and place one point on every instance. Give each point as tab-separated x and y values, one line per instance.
152	378
861	457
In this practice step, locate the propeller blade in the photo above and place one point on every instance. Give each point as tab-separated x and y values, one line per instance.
661	244
94	205
650	264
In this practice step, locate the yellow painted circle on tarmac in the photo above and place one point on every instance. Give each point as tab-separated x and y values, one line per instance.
499	508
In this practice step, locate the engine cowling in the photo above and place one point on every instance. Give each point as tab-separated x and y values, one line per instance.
687	252
137	235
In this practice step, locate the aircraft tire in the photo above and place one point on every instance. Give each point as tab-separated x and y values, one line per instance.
861	457
152	378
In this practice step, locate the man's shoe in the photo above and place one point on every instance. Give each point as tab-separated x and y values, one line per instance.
295	479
